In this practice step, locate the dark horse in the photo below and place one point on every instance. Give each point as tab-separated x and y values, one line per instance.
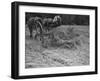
34	23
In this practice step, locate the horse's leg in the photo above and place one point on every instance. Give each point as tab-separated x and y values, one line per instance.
31	30
36	35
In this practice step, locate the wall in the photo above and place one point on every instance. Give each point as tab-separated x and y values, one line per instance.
5	40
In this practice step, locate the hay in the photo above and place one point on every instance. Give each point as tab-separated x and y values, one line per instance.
62	38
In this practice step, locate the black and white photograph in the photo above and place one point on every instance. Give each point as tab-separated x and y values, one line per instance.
56	40
50	40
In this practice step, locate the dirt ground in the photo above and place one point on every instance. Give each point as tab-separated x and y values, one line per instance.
37	57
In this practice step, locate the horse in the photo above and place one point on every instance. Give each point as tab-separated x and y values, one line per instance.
49	23
34	23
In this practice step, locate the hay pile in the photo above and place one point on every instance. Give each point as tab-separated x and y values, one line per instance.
66	37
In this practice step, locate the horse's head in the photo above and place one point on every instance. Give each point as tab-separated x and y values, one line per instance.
57	18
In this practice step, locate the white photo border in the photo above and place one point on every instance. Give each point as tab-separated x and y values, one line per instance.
54	70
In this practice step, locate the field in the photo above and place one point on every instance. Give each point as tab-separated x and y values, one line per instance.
72	53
